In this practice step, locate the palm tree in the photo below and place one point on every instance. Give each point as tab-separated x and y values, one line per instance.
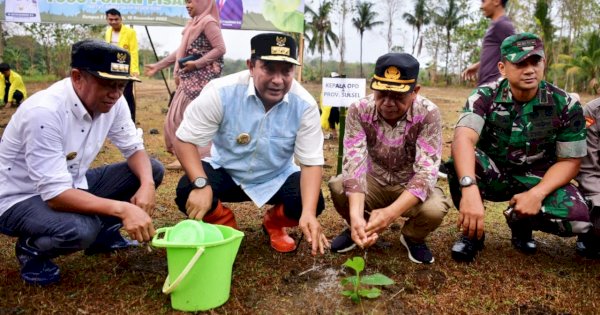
300	38
364	21
420	18
584	66
15	55
449	17
344	8
322	33
544	21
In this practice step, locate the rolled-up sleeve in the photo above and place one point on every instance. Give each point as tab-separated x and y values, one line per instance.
309	140
473	114
571	142
202	117
428	156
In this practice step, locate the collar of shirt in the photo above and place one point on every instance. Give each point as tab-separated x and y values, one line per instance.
504	95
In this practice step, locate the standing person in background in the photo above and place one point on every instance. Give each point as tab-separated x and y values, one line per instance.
487	67
199	60
12	87
330	114
125	37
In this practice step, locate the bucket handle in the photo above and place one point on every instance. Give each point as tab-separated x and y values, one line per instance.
170	287
157	241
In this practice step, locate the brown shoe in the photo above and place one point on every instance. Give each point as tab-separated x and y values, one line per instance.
174	166
274	223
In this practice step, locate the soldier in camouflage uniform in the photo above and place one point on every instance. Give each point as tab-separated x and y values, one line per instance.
520	140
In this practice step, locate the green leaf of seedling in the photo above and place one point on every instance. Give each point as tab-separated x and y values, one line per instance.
351	279
348	293
356	263
376	279
370	293
355	298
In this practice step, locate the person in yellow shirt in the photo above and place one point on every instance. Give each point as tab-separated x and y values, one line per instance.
330	116
12	87
125	37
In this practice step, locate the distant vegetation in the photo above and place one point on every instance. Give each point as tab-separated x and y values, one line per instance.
450	31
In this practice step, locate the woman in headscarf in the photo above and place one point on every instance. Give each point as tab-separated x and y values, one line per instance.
198	60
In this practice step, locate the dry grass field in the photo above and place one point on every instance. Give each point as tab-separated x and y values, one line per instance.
500	281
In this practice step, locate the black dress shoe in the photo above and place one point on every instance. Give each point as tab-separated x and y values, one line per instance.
465	248
523	241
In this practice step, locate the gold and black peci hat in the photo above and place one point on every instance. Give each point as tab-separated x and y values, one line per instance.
274	47
396	72
102	60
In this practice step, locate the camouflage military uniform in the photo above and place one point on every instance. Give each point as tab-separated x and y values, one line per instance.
517	144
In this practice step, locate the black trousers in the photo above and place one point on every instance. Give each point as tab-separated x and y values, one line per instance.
334	117
226	190
17	96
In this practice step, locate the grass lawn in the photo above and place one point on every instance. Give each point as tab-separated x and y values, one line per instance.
501	280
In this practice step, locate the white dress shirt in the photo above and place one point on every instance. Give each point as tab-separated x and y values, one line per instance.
51	140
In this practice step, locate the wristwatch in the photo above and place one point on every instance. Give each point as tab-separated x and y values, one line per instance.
200	182
466	181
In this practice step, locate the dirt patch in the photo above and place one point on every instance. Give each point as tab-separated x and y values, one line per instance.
534	308
430	279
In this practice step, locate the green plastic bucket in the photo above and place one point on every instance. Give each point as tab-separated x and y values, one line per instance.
200	258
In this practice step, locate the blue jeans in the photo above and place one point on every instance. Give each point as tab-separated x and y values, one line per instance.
52	233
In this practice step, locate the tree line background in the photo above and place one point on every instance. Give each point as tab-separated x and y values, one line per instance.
449	32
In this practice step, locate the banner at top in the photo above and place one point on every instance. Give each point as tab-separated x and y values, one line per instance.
267	15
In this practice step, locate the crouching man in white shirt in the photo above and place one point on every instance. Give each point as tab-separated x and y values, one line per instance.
49	197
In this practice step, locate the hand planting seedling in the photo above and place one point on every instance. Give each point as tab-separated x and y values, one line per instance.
358	282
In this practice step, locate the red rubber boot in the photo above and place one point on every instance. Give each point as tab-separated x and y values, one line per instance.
221	215
274	223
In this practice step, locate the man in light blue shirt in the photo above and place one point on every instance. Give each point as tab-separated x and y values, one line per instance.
259	120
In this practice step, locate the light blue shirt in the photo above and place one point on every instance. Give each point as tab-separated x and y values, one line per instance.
228	107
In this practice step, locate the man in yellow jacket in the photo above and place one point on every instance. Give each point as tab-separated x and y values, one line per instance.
12	87
125	37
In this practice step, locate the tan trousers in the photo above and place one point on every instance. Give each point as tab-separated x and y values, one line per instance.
422	219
